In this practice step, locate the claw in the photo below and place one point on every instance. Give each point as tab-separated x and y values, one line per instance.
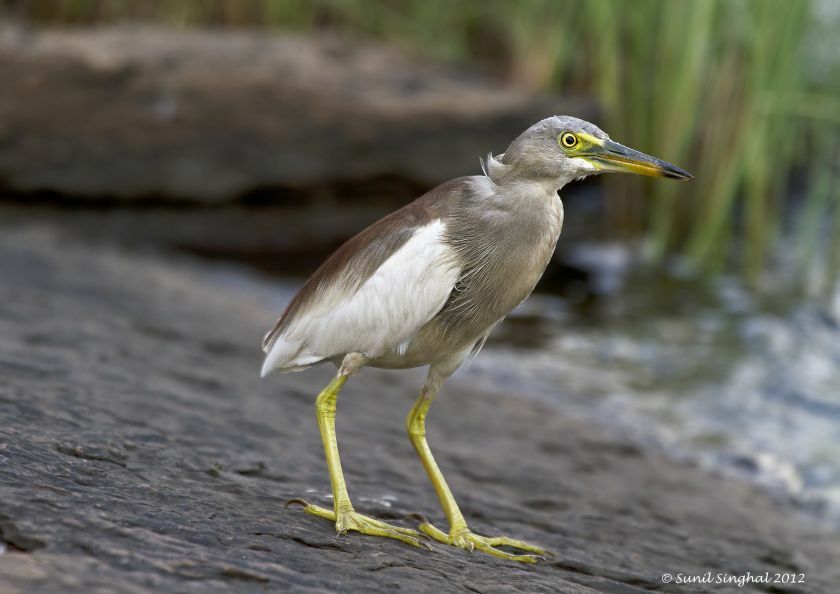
423	542
297	501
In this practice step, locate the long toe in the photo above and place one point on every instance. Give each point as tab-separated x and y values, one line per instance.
352	520
504	541
482	543
315	510
430	530
471	541
373	527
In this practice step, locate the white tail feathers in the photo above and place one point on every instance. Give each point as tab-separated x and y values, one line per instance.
285	355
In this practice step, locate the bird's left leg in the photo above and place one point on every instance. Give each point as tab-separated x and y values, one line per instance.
345	517
459	534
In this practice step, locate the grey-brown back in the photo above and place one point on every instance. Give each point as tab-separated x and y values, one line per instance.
356	260
501	237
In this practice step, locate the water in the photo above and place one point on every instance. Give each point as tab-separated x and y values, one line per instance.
744	387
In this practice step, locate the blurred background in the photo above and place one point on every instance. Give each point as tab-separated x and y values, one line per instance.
701	317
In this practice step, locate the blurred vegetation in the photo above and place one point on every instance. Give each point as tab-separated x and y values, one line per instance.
744	94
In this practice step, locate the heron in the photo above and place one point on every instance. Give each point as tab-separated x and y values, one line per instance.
425	286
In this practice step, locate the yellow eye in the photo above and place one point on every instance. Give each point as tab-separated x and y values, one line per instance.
568	140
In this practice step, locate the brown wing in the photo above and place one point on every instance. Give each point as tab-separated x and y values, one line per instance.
355	261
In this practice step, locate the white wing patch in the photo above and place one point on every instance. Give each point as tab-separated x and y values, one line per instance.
404	293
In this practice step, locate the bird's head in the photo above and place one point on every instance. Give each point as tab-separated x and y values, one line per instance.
564	148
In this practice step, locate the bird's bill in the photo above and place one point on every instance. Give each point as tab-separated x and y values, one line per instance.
611	156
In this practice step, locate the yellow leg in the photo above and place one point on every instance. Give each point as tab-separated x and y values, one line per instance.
343	514
459	534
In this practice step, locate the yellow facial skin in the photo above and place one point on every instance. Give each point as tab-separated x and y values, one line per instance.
606	155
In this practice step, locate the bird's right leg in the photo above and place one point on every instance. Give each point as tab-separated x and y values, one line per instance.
343	514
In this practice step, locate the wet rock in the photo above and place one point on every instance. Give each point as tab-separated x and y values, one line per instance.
139	451
209	116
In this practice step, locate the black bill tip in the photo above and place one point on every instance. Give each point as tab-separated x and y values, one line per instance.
674	172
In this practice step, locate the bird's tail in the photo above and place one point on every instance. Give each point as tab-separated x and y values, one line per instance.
287	355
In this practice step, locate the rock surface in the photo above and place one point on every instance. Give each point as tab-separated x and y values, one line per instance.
139	452
208	116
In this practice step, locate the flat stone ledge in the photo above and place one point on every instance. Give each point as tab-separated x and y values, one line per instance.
140	452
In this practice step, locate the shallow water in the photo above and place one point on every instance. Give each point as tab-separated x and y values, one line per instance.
743	387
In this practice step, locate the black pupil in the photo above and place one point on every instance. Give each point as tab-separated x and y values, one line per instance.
570	140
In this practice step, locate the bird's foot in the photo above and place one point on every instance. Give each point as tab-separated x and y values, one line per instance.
466	539
352	520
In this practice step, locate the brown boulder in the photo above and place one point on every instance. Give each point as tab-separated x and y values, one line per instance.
210	115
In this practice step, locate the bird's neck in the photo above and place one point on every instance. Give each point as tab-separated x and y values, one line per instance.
547	180
546	186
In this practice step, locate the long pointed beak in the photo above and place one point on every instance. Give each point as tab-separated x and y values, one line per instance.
611	156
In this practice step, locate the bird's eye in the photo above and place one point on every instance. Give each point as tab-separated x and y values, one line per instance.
568	139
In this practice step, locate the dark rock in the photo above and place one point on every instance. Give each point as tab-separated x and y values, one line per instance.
13	537
209	116
139	452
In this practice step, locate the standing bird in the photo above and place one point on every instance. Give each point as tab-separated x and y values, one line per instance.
428	283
